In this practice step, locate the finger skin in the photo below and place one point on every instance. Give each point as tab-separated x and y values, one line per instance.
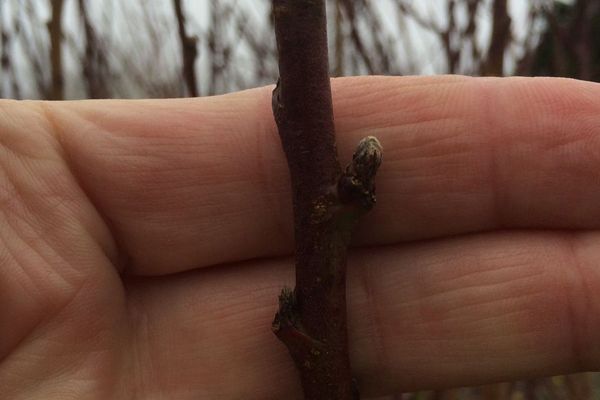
462	311
51	238
196	182
438	313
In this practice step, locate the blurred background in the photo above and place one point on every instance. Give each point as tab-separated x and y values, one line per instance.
76	49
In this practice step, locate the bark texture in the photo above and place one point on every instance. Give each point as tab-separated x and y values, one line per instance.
311	320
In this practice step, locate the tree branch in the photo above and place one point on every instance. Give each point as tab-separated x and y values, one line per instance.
501	21
189	52
55	33
94	63
327	202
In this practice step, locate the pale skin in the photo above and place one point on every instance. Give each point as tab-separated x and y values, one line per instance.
143	243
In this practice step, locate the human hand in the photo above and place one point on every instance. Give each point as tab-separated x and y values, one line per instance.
143	243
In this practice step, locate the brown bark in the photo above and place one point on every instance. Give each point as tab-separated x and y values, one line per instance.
55	33
338	67
189	51
494	64
311	320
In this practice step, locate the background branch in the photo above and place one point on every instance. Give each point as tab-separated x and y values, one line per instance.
501	21
189	51
55	33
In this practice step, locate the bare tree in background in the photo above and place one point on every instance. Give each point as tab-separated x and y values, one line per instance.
569	47
494	64
189	51
55	34
227	45
94	64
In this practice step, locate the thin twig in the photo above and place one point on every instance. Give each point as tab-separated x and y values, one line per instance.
311	320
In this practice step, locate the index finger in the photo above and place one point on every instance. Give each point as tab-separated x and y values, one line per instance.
194	182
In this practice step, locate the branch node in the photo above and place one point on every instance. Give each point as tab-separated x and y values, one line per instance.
288	328
357	185
287	316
